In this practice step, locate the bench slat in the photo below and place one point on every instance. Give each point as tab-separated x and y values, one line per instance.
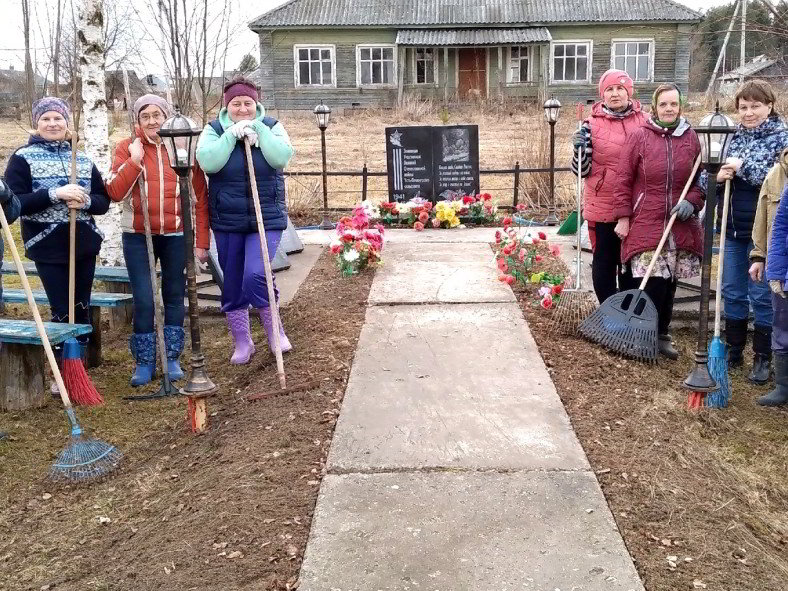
112	274
23	332
99	299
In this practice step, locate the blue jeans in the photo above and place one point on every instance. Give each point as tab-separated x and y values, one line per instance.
740	292
171	251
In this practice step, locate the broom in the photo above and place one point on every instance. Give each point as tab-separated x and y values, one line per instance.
83	458
77	380
626	322
574	304
269	277
718	361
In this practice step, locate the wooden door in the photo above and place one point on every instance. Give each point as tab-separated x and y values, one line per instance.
472	68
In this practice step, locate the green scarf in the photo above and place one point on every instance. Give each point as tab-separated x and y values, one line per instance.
667	125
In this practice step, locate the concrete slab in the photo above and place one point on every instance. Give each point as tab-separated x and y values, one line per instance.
536	531
460	386
438	273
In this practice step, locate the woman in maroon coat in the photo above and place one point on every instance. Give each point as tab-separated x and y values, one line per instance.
655	165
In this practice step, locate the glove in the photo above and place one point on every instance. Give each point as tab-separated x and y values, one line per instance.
237	129
580	138
251	133
777	287
684	209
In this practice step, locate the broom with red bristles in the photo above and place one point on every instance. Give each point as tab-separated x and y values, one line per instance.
78	384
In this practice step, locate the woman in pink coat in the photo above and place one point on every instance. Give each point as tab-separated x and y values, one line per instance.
612	121
656	163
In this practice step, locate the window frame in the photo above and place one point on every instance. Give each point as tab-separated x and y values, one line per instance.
435	72
297	63
589	69
395	54
651	43
530	75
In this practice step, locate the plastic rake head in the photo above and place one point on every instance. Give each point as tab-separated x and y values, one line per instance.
85	459
718	369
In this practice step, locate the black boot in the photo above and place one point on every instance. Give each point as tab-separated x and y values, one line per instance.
735	338
762	347
666	348
778	396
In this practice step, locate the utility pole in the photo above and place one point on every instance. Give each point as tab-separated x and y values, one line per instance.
743	37
722	50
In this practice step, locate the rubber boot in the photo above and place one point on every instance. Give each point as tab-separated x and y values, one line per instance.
666	348
143	349
762	347
268	322
238	322
778	396
735	339
174	338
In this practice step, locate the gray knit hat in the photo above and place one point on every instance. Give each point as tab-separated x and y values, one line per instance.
49	103
150	99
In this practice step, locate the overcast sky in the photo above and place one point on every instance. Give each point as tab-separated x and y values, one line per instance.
12	39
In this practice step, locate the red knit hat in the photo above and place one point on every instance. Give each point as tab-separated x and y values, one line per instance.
612	77
240	87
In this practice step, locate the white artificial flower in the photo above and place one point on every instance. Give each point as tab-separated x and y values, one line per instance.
351	255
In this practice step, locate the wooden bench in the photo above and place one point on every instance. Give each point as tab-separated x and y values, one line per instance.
97	302
116	279
23	362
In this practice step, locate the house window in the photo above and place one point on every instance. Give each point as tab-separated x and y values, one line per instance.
425	65
572	61
314	65
634	57
519	64
375	65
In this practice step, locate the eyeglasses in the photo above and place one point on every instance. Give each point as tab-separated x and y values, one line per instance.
147	117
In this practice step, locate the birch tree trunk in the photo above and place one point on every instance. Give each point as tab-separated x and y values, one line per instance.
96	129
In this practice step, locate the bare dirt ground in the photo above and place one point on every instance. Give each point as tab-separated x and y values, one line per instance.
230	509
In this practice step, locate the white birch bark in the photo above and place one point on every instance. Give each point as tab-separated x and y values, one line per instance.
96	127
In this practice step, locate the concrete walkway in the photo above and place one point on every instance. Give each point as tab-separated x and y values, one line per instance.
454	466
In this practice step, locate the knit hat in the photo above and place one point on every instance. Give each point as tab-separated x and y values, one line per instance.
150	99
240	88
49	103
612	77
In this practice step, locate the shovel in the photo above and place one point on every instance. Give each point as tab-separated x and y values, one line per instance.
626	322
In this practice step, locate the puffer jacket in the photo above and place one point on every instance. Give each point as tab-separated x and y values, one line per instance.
652	172
768	202
609	133
777	255
161	185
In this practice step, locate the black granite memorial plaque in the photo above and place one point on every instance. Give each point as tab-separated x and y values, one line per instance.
409	162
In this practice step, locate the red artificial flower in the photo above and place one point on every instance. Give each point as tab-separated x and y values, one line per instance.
502	277
345	220
557	289
395	211
537	258
423	217
347	237
336	248
547	302
555	250
521	255
498	236
418	226
542	236
436	223
502	265
509	279
521	207
507	221
509	248
380	228
486	196
468	200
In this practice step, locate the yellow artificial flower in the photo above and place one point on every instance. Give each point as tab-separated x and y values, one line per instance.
454	222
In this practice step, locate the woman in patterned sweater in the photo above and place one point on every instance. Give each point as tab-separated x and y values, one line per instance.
39	175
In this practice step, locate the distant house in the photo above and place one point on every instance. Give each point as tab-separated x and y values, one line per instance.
13	83
116	93
762	67
352	53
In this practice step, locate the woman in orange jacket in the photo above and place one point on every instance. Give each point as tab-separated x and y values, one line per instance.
145	160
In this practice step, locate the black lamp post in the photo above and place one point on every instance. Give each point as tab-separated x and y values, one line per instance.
322	117
179	134
714	134
552	107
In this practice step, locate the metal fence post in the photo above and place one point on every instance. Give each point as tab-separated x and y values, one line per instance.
516	183
364	182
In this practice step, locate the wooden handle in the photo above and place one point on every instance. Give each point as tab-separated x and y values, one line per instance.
42	333
669	227
269	277
721	257
72	239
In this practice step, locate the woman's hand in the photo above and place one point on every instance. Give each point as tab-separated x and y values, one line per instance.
71	193
756	271
622	228
726	173
136	151
202	254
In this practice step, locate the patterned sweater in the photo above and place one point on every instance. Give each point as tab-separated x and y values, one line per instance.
34	172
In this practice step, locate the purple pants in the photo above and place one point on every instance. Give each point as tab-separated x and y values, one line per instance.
780	324
241	259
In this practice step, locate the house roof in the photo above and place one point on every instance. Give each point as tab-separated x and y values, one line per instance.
484	36
751	68
448	13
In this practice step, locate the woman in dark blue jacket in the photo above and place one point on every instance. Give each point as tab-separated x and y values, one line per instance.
39	175
222	157
777	275
10	205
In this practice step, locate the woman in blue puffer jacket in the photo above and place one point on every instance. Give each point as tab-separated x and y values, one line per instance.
230	209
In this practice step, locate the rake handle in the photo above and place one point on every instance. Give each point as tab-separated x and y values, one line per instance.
269	276
72	214
726	201
669	227
579	197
